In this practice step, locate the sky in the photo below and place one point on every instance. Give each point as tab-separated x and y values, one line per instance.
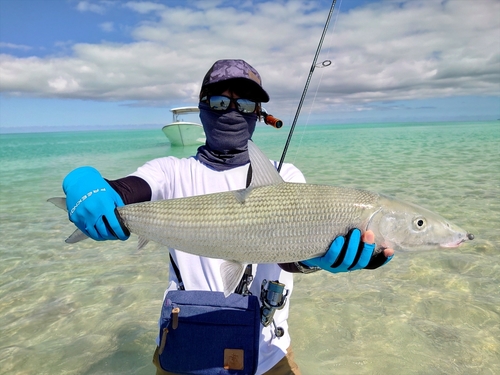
77	64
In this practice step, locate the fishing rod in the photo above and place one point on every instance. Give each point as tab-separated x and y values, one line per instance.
311	71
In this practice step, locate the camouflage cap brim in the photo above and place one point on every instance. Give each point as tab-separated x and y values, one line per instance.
223	70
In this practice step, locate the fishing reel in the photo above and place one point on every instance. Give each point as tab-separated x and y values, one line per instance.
272	299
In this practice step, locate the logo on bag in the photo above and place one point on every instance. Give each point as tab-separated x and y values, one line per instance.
233	359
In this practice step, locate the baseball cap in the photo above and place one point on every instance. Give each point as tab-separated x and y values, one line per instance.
224	70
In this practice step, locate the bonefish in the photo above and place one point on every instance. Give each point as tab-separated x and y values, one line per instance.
273	221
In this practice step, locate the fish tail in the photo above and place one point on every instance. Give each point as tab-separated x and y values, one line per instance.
77	235
58	202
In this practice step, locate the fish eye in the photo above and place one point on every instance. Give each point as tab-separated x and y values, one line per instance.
419	223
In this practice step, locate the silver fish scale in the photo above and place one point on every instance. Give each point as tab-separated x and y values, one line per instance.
278	223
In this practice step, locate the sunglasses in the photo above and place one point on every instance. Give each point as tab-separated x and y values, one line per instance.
222	103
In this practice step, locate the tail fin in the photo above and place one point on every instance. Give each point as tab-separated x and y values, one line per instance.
58	202
77	235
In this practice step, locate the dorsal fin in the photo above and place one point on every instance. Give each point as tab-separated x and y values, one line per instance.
263	171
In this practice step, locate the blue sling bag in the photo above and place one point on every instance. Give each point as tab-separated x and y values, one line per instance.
205	333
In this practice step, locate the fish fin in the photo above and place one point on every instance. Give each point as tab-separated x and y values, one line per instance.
231	272
76	236
242	195
58	202
142	242
263	171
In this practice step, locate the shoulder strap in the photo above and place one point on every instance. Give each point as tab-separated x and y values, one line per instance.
249	175
177	272
242	287
245	281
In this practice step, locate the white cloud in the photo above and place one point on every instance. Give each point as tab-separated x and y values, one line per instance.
99	6
87	6
382	52
15	46
144	6
107	26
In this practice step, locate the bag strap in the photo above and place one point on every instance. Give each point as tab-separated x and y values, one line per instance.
177	272
249	175
242	287
245	281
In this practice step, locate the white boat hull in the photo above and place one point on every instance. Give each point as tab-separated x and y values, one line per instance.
184	133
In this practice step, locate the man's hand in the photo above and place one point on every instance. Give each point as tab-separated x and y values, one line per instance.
352	252
91	204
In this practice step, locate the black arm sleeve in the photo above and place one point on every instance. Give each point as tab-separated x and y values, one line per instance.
132	189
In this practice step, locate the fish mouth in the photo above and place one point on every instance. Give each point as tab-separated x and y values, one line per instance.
466	237
452	245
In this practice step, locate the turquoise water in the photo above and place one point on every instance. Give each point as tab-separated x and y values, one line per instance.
92	308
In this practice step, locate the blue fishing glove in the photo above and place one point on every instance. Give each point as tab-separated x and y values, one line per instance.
348	253
91	204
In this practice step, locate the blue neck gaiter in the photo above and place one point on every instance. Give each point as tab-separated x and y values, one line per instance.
227	135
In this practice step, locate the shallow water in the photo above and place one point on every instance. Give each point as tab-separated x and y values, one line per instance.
92	308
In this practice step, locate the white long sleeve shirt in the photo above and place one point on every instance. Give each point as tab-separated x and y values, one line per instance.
169	178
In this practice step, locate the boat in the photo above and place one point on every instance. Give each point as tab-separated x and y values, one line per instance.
184	133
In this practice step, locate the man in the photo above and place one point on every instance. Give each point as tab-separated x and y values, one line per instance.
230	99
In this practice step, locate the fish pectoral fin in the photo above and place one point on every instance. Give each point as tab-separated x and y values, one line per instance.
142	242
76	236
231	273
